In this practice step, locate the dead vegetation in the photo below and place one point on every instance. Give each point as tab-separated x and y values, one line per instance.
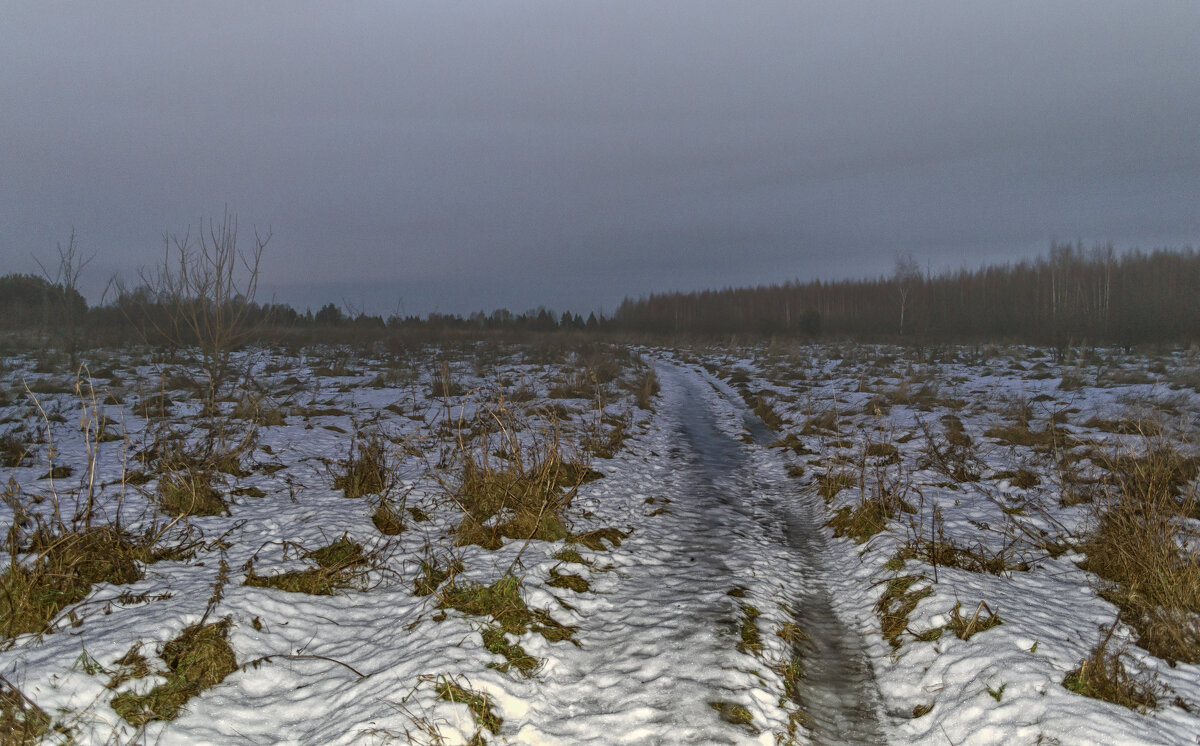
1139	546
899	599
502	602
523	496
340	564
198	658
367	469
480	704
22	722
1103	675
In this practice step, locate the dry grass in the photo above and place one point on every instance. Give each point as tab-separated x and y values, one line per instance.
339	565
198	659
1019	434
964	627
502	602
751	639
190	492
433	574
479	703
515	658
62	572
881	498
568	581
388	519
647	389
594	540
1136	547
1103	675
604	442
951	453
896	603
831	483
366	471
13	450
523	496
733	713
442	384
22	722
932	545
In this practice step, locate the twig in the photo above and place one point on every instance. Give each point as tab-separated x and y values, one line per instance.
267	659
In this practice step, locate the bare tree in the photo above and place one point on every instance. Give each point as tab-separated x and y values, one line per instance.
906	274
69	306
206	286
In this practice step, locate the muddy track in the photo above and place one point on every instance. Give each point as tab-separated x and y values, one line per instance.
838	690
659	635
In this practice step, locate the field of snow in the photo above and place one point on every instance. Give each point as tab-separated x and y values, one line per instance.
601	545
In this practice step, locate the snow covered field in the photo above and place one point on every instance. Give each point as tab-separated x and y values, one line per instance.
543	546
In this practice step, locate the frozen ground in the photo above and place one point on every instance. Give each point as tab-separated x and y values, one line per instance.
727	613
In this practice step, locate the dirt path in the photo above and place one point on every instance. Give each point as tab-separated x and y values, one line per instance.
659	640
838	689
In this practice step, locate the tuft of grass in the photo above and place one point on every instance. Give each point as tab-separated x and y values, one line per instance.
188	492
831	483
502	602
567	554
731	712
607	444
940	550
570	582
132	665
647	389
61	471
433	575
13	450
365	471
896	603
1019	434
443	385
793	443
886	451
751	641
62	573
198	659
594	540
951	453
1124	426
339	565
387	519
479	703
1103	675
523	496
22	722
1023	478
762	407
861	522
1137	546
515	657
965	627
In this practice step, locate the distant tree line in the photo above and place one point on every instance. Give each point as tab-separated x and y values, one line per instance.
30	303
1072	295
1069	296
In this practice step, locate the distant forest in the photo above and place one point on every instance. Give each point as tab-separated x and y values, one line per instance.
1071	296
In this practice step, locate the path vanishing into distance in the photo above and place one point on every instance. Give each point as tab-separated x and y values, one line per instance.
660	660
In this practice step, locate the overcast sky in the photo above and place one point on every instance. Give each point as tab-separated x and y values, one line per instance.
459	155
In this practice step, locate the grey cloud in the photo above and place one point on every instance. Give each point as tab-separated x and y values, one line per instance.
468	155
